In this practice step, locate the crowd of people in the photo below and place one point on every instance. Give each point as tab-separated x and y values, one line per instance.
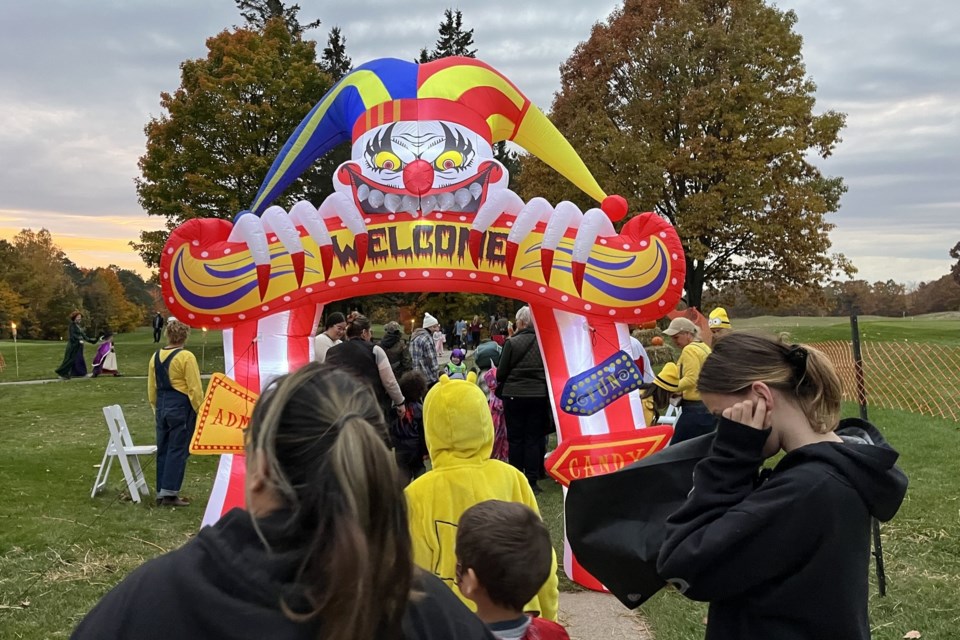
348	534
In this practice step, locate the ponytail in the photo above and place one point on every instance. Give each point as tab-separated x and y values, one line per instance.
802	373
324	439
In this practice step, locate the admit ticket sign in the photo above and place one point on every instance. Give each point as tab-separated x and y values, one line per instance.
223	418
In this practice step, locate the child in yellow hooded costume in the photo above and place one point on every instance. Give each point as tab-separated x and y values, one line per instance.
459	432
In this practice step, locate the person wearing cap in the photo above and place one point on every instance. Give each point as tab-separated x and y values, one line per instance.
423	353
662	392
694	418
333	331
719	323
396	349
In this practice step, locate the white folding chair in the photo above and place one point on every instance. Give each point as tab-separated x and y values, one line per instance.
120	445
670	416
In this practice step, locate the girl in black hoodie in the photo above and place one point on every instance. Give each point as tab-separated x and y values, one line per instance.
786	558
322	551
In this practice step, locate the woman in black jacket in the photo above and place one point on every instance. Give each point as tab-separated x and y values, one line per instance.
526	403
786	558
323	550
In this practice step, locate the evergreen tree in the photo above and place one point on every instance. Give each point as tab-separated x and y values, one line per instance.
453	40
334	59
258	13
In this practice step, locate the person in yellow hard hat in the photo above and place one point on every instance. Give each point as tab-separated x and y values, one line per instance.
694	418
719	323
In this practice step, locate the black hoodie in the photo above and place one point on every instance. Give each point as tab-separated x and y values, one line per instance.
788	559
224	584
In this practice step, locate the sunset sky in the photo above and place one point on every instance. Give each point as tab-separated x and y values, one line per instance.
81	79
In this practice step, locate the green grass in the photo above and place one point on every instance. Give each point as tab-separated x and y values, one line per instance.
39	358
60	550
940	328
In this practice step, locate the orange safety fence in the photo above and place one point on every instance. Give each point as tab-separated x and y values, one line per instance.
919	377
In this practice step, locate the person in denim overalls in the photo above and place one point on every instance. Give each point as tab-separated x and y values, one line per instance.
175	392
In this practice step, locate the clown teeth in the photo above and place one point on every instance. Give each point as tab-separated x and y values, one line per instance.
375	198
430	203
392	202
462	197
409	204
447	201
476	190
363	191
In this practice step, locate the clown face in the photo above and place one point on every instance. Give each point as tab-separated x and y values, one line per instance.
416	167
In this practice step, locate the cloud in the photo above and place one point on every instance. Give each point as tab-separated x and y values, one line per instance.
82	79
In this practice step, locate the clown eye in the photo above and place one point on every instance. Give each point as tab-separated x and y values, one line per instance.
387	161
447	160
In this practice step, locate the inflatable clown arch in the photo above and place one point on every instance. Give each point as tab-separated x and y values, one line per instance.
423	206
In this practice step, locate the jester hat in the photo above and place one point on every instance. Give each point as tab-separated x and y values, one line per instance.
462	90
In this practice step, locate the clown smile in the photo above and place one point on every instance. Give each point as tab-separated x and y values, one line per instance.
375	198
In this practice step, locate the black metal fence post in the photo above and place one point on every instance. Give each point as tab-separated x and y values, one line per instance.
862	401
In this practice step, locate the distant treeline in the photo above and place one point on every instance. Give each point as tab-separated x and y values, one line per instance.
40	286
842	298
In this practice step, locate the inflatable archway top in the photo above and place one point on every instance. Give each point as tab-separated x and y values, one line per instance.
423	205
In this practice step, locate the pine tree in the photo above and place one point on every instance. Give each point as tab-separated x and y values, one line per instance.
258	13
334	59
453	40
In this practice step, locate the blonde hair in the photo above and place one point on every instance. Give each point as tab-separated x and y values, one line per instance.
802	373
177	332
322	440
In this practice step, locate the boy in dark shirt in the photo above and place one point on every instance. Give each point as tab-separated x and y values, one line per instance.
503	558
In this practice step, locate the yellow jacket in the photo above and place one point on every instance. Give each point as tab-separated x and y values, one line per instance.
690	363
184	376
459	432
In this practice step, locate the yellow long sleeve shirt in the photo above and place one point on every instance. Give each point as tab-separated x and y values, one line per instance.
690	363
184	376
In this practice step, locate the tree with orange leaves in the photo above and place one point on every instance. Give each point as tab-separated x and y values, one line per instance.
701	110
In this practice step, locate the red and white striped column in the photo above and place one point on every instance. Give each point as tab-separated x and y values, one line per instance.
254	354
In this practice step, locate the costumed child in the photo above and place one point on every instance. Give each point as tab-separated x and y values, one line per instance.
787	557
719	323
500	446
459	433
409	444
661	394
439	338
105	360
456	368
503	556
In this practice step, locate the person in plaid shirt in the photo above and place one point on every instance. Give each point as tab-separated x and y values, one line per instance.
422	350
